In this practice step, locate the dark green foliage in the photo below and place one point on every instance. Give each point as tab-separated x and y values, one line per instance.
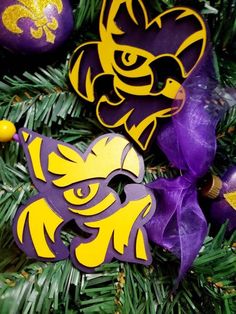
208	288
36	93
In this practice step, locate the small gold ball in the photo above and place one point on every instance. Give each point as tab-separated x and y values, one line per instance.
7	131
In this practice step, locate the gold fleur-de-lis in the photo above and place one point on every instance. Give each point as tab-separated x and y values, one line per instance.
35	12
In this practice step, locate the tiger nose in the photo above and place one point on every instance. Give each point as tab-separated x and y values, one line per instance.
172	89
167	76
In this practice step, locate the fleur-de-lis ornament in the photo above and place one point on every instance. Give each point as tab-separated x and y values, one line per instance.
29	9
39	25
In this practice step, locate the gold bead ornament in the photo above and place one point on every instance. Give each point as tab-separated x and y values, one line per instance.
7	131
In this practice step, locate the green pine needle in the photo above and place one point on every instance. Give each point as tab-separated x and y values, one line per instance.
43	100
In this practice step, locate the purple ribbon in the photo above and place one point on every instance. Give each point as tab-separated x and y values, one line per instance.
189	142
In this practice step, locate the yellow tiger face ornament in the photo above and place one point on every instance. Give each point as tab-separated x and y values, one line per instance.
74	186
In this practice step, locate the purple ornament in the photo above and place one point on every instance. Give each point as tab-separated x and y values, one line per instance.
224	206
138	66
74	186
189	142
39	26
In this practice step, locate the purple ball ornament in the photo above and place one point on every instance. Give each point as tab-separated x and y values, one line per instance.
37	26
223	193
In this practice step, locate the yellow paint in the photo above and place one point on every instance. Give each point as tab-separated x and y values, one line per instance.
96	209
7	131
140	249
107	153
33	10
41	220
80	199
231	199
170	90
89	96
131	162
34	149
25	136
107	47
116	227
89	85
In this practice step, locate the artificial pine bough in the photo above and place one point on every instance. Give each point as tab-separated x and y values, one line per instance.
36	94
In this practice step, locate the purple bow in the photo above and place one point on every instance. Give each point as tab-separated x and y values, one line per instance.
189	142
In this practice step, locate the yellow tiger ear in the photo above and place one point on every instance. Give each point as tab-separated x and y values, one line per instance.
110	152
47	157
113	152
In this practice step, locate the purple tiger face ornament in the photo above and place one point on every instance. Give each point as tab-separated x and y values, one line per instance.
137	67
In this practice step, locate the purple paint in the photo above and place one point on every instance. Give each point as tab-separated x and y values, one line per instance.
16	138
